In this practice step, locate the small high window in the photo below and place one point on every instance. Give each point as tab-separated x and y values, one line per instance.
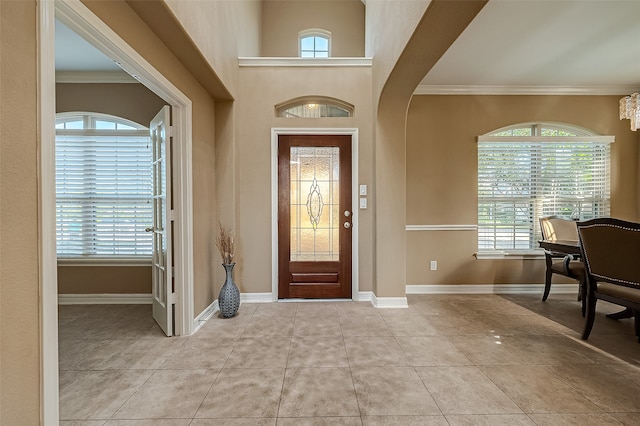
314	43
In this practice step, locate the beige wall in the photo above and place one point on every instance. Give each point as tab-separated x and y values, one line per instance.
104	280
283	20
220	29
255	118
442	177
132	101
19	262
386	42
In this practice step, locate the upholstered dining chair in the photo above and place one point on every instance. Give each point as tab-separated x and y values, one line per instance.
555	228
611	251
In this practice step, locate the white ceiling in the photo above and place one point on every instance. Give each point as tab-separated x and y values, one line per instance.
512	46
75	54
546	45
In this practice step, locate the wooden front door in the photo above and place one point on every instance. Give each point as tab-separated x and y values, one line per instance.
314	216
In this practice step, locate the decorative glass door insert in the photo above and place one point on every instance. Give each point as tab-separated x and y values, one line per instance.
315	203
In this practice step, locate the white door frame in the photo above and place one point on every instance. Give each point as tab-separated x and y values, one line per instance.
277	131
80	19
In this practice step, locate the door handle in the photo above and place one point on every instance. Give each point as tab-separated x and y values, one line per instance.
347	225
347	213
149	229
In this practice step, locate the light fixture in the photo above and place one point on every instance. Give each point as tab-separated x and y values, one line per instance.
630	109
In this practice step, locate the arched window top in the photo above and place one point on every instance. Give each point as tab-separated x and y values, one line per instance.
94	121
542	129
314	107
314	43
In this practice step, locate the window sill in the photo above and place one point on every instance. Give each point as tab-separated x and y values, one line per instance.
510	255
105	261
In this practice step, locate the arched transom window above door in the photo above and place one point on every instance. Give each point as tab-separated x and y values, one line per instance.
314	107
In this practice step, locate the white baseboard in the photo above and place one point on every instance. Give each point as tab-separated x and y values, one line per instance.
256	298
364	296
489	289
389	302
205	315
105	299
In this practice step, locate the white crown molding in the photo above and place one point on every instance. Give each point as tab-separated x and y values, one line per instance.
424	89
304	62
489	289
94	77
105	299
441	227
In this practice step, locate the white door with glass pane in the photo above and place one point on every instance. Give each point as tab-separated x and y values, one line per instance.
162	279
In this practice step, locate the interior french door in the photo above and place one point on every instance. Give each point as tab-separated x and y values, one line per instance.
162	281
314	216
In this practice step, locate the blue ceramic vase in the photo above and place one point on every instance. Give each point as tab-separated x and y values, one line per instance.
229	297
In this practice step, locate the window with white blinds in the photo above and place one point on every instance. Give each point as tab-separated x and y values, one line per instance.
526	172
103	188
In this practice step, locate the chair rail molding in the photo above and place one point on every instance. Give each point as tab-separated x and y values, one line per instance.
488	288
441	227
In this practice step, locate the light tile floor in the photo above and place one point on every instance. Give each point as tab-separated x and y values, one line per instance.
446	360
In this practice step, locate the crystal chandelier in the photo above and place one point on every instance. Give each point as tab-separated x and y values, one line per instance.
630	108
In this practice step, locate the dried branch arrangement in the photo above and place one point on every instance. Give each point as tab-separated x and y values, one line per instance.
225	244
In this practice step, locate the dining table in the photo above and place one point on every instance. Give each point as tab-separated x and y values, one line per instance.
561	246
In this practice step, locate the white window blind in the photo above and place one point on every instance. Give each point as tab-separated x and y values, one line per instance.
524	178
103	193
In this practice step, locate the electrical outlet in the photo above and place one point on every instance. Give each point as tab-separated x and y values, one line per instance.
434	265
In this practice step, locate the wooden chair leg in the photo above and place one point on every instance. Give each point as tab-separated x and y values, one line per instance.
583	298
623	314
636	315
591	315
547	285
